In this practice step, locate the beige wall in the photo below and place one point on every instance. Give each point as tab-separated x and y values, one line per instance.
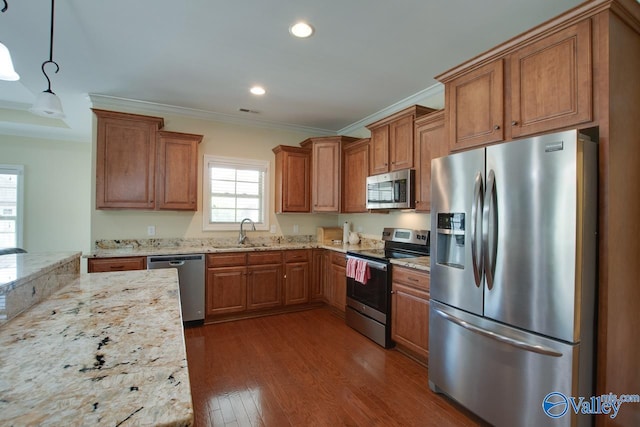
56	191
223	139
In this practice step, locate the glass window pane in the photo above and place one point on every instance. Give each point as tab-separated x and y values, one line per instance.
248	175
227	174
223	215
244	203
248	188
223	202
223	187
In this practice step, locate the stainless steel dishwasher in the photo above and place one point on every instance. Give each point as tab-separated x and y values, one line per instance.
191	277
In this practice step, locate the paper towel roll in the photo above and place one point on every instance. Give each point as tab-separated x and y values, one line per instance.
346	228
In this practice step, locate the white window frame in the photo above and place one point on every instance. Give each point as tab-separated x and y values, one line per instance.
207	225
17	170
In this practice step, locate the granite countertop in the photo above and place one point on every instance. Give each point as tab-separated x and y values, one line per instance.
419	263
16	269
106	349
174	250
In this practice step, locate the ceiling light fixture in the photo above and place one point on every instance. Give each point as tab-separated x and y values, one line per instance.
301	30
47	103
257	90
7	72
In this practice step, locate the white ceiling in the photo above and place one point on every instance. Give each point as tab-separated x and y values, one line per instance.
365	56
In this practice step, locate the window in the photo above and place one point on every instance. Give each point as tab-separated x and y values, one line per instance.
11	194
235	189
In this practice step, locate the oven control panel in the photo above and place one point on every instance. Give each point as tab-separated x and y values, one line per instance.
404	235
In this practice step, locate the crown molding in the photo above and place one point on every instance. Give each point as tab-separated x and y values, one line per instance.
116	103
435	90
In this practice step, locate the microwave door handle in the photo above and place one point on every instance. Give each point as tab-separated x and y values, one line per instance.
476	256
396	191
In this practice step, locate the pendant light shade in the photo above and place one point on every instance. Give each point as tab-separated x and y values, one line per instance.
48	105
7	72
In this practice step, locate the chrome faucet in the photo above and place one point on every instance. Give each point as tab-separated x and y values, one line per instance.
243	235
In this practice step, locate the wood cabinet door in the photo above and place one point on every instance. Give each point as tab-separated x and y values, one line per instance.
296	289
318	275
379	150
475	107
100	265
338	285
264	286
177	171
430	143
355	169
410	319
325	183
125	160
401	143
551	82
293	178
226	290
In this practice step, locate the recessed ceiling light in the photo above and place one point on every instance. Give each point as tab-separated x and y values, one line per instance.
257	90
301	29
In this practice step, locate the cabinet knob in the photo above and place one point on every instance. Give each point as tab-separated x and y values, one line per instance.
393	292
496	127
514	123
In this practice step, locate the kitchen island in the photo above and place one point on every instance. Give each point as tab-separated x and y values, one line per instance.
106	349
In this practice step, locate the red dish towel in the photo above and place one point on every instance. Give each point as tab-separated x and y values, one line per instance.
362	272
351	267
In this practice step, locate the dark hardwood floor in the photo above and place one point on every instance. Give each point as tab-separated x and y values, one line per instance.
307	369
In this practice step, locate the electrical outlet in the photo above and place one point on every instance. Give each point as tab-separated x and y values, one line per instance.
296	229
273	229
359	229
151	230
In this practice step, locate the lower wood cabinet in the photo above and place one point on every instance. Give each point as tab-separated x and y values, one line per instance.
319	274
264	280
248	283
101	265
410	311
336	292
296	277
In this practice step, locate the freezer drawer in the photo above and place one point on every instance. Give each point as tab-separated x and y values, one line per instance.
501	373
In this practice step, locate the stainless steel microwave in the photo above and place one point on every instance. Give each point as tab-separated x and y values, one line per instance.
393	190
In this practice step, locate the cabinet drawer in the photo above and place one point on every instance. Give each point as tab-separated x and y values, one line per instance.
301	255
226	260
409	276
339	259
101	265
271	257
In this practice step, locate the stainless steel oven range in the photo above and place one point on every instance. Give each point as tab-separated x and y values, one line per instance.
369	281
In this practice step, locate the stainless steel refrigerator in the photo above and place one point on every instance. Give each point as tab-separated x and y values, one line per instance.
513	273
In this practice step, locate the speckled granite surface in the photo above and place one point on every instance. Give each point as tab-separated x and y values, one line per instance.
146	247
26	279
419	263
104	350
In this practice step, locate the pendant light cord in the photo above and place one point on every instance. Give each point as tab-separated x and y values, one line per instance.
6	6
50	61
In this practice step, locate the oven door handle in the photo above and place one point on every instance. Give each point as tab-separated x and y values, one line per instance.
372	264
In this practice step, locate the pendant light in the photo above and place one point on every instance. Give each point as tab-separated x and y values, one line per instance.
47	103
7	72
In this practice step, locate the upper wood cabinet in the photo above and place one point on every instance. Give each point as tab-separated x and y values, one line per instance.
293	179
325	171
355	169
125	160
391	145
475	107
551	82
140	167
177	171
540	86
430	143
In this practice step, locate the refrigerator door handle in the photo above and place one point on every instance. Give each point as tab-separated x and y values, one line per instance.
489	210
536	348
476	258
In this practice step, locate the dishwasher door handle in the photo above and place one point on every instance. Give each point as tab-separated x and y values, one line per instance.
176	263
